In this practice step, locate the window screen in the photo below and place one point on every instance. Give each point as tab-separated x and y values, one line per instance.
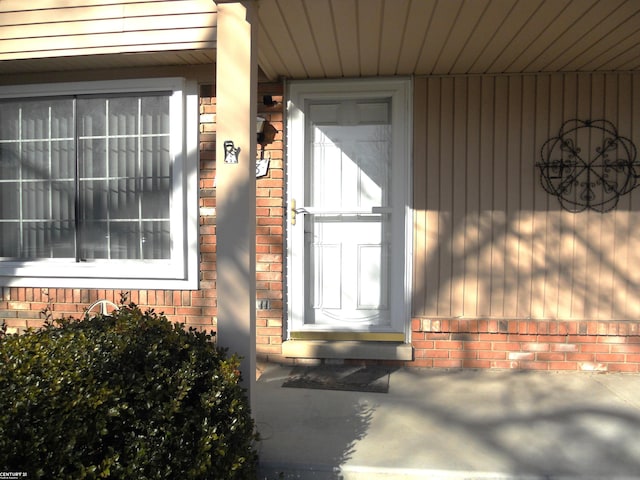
85	178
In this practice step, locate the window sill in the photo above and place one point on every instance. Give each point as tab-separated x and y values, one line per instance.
101	283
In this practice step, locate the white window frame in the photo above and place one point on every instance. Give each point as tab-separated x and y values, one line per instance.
178	272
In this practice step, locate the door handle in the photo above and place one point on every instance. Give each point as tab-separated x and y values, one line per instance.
294	211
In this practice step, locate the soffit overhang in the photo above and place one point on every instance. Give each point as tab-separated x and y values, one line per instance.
304	39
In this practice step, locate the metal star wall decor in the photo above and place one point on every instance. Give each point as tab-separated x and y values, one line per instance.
588	166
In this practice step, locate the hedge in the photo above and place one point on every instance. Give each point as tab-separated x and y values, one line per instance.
124	396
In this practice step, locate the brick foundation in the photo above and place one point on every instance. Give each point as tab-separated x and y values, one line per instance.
581	345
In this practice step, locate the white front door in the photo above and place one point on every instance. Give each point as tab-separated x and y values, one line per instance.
348	197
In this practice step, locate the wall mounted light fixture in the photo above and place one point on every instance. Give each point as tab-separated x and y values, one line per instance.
266	132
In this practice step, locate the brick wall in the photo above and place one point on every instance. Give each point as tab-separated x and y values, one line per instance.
270	213
21	308
585	345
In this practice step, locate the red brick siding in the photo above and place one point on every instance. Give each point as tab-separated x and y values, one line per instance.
585	345
270	210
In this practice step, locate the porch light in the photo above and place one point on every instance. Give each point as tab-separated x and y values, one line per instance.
265	131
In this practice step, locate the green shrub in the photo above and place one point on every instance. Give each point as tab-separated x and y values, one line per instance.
125	396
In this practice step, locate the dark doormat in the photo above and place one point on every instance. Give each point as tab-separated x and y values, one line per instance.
340	377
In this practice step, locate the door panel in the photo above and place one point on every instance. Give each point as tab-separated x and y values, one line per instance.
348	171
344	242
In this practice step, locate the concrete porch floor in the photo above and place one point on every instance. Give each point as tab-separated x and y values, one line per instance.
438	424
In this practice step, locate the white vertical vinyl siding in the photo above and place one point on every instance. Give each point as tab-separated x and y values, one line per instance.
489	241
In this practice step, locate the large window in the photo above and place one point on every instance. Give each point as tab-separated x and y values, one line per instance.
99	178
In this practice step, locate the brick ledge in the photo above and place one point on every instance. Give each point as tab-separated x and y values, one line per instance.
528	327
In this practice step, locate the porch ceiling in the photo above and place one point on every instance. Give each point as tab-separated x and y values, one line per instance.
350	38
300	39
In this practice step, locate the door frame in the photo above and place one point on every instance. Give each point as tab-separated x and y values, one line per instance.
399	89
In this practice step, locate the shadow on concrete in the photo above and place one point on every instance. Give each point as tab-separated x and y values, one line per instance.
455	424
307	433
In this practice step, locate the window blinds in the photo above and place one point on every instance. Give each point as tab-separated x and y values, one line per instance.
85	178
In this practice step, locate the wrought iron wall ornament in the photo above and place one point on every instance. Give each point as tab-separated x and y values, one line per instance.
588	166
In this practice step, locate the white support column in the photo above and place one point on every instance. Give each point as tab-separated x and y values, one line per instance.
236	111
